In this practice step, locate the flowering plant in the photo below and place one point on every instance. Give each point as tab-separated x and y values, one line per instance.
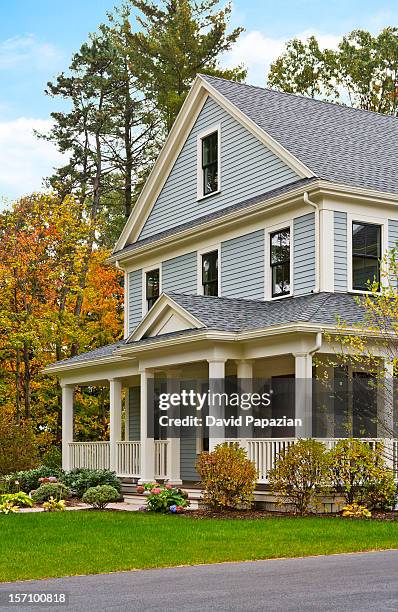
165	497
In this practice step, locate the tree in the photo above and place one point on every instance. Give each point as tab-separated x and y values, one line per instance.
178	39
362	72
43	248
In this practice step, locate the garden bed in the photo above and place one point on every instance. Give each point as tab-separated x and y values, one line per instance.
263	514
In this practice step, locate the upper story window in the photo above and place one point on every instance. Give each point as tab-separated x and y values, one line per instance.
280	262
210	273
208	162
152	287
366	253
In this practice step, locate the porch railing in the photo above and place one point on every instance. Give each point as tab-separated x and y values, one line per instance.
92	455
161	455
263	451
128	456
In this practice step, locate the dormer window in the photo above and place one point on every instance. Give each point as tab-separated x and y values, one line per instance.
209	162
280	262
152	287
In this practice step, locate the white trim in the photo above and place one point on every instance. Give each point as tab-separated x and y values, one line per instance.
156	266
382	222
199	169
208	249
267	261
126	303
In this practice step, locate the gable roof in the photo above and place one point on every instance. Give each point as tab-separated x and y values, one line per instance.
337	143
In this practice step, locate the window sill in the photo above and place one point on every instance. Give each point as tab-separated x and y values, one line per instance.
208	195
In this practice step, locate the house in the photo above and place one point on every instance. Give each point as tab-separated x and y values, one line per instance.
263	216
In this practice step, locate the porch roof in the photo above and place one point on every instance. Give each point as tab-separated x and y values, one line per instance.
233	315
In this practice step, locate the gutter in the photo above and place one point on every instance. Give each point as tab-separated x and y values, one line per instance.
317	240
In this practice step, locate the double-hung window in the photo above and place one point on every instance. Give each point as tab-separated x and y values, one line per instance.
366	254
280	262
209	164
152	287
210	273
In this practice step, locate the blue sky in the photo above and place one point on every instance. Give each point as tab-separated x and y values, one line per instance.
38	38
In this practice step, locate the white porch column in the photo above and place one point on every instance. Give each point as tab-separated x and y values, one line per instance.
115	420
67	423
127	415
303	394
216	409
385	413
244	375
147	443
173	449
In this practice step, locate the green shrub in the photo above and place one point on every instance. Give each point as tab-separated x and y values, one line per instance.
165	498
29	480
53	458
19	499
80	480
45	491
359	474
228	477
18	448
102	495
300	474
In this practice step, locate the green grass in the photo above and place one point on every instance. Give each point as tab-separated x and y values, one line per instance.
47	545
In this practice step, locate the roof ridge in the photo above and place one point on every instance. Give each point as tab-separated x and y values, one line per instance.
317	307
301	96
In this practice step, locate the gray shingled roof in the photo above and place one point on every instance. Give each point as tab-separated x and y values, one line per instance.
238	315
337	143
219	213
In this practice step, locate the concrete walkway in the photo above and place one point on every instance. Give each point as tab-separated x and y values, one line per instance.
337	583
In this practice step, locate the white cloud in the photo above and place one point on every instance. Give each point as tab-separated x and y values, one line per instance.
24	159
257	51
20	50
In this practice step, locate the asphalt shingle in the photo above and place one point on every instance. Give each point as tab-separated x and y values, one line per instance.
337	143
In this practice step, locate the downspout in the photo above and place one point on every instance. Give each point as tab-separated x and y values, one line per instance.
318	344
317	241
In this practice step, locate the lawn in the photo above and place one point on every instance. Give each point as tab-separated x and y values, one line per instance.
47	545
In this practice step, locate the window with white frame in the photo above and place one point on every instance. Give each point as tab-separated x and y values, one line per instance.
366	254
280	262
209	162
152	287
210	273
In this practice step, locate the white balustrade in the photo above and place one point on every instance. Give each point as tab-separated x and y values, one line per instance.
128	456
91	455
161	467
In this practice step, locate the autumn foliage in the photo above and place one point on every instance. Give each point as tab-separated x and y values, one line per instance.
57	298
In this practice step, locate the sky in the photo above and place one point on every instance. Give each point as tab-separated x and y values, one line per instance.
38	38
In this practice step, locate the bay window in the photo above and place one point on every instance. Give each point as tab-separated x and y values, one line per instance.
366	254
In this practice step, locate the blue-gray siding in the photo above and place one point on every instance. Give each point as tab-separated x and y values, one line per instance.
248	169
134	299
179	274
340	251
392	233
242	266
304	254
134	413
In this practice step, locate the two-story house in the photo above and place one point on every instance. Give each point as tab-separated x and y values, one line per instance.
263	216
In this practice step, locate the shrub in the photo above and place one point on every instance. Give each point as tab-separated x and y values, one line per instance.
18	449
29	480
47	490
358	472
82	479
20	499
8	507
100	496
228	477
165	498
54	505
356	511
53	458
300	474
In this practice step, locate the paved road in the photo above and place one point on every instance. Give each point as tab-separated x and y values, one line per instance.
357	582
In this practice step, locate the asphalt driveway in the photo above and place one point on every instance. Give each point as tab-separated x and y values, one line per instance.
351	582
